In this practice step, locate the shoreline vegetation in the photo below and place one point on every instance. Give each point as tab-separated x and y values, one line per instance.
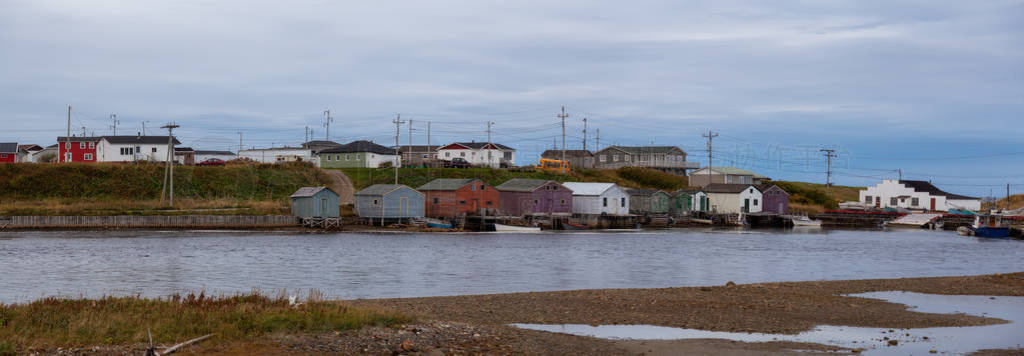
263	189
254	323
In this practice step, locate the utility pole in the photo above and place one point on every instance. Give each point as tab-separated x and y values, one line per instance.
563	115
584	134
307	136
828	172
67	141
597	141
114	126
430	152
398	123
489	147
1007	196
83	131
144	128
409	149
327	125
169	171
239	143
710	136
900	171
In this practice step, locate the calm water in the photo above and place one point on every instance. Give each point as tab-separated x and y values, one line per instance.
352	265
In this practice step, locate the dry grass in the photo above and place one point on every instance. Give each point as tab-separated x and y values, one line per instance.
1016	202
94	207
56	322
801	208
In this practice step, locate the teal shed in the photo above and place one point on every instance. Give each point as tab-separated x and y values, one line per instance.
389	201
315	202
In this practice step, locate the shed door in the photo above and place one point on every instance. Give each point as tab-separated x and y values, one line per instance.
323	207
746	205
933	204
404	206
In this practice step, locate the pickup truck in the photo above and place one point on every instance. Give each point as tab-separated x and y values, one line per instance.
457	163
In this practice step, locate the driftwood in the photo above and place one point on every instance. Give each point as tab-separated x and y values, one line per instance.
151	351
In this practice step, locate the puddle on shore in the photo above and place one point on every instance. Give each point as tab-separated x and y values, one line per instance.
874	341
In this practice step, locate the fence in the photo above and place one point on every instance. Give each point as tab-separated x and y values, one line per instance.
132	221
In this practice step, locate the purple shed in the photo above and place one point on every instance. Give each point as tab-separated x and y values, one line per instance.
522	196
773	199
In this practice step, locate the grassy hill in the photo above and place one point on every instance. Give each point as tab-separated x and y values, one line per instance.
632	177
1016	202
811	197
96	189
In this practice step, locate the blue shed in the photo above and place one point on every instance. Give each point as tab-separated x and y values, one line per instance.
389	201
315	202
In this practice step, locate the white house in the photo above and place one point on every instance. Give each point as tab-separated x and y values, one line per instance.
202	155
278	154
598	198
479	153
133	148
733	198
915	194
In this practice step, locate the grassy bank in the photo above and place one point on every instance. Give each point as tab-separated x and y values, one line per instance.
53	322
105	189
631	177
812	197
1016	202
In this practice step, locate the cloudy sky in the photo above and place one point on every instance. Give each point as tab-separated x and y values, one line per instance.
935	88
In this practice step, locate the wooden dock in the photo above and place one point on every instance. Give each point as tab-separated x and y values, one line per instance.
148	222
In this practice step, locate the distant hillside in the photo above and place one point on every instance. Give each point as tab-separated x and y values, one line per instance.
1016	202
811	197
632	177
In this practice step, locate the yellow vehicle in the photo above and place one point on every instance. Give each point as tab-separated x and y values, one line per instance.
553	165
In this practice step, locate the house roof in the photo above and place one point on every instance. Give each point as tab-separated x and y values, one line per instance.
765	187
360	146
381	189
30	147
478	145
686	191
732	171
320	143
927	187
8	147
583	188
521	185
209	152
557	154
63	139
642	191
417	148
446	184
310	191
726	188
635	150
136	139
183	149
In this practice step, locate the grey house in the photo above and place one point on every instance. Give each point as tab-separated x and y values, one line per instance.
315	202
389	201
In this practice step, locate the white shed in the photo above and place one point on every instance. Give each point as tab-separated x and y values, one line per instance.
915	194
733	198
598	198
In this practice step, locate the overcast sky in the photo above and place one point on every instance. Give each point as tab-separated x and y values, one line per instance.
935	88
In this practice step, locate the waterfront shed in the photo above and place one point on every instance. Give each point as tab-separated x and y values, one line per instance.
598	198
733	198
648	201
389	201
451	197
687	200
523	196
315	202
774	199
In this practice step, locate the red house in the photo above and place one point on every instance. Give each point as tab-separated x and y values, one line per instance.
79	149
447	198
8	152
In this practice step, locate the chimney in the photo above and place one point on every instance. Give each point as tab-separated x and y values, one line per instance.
138	135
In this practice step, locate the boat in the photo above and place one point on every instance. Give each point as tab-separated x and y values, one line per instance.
571	226
702	221
513	228
805	221
990	226
439	224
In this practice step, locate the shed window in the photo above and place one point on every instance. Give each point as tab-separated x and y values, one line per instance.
488	202
755	202
436	200
563	201
892	201
604	202
914	201
375	202
328	157
154	149
462	202
481	187
472	187
535	202
602	158
622	202
348	157
867	199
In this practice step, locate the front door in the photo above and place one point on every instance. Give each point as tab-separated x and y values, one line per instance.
746	205
933	204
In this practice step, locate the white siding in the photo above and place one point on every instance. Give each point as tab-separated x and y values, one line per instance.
618	202
476	156
110	152
203	157
888	189
270	155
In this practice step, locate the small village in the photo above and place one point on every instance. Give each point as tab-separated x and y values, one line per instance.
716	196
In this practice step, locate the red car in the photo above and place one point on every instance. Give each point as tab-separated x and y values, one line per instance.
211	162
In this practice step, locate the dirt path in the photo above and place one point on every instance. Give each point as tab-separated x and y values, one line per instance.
342	186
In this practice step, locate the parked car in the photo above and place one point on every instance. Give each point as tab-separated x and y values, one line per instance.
211	162
457	163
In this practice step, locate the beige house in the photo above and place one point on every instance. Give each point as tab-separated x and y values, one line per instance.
733	198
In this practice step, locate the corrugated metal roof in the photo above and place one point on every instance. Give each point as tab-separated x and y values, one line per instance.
726	188
446	184
309	191
583	188
360	146
8	147
521	185
380	189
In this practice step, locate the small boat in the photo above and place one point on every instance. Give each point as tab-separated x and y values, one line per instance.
990	226
439	224
702	221
805	221
513	228
571	226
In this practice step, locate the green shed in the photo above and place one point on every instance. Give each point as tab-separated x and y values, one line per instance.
648	201
315	202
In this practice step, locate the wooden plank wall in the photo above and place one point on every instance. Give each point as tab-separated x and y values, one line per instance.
133	221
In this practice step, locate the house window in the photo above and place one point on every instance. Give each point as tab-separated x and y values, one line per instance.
472	187
348	157
337	157
463	202
563	201
751	190
67	157
436	200
892	201
622	202
359	156
867	199
535	202
625	158
88	156
914	201
67	145
423	155
3	155
447	154
81	145
615	158
375	202
154	149
604	202
488	202
328	157
92	144
481	187
603	158
463	154
755	202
